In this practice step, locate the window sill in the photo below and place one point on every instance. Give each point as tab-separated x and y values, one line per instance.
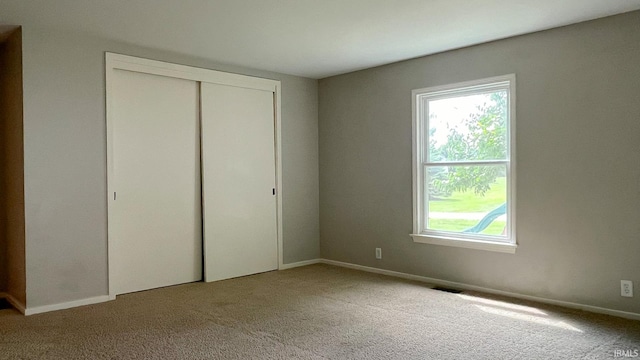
465	243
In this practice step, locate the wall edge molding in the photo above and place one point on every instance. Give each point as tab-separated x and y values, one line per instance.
433	281
463	286
299	264
67	305
18	305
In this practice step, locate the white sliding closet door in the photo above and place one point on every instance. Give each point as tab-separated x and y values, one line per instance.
238	163
155	207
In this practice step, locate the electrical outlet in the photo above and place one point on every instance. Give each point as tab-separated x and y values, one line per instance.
378	253
626	288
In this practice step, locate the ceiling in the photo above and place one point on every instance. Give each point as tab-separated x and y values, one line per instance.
312	38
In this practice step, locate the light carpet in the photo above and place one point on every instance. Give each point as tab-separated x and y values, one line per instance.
314	312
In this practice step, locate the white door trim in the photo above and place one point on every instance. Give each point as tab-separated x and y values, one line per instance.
129	63
147	66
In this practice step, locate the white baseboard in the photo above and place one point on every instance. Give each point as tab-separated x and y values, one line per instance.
433	281
14	302
462	286
67	305
298	264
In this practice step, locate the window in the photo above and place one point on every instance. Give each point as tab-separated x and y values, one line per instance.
464	169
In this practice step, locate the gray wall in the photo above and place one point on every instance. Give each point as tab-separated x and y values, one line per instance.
578	164
65	161
12	237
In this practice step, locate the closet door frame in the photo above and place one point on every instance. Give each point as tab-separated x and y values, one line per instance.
115	62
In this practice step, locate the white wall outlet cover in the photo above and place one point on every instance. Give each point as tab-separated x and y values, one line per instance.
626	288
378	253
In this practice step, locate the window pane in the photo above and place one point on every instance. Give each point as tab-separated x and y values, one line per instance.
465	128
467	199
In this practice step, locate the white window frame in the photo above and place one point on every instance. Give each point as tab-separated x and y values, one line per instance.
420	161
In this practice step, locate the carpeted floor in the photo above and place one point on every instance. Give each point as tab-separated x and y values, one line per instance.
314	312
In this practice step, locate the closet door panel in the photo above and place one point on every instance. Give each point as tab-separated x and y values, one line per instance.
156	209
238	164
